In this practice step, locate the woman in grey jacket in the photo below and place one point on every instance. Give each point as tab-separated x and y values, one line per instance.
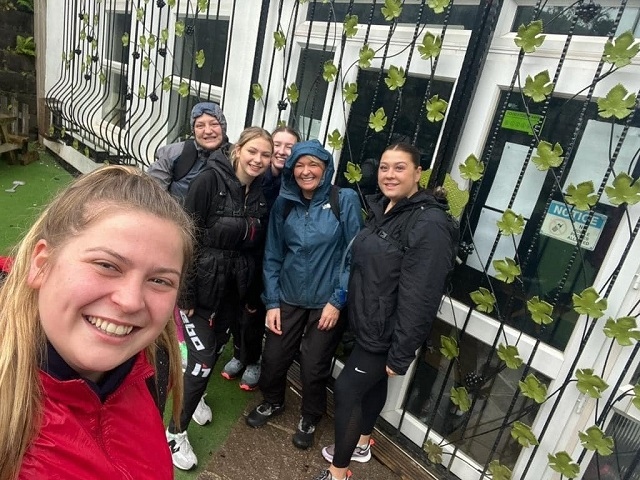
305	282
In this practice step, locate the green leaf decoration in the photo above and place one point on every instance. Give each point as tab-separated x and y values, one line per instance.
63	132
636	393
350	92
125	39
547	157
139	14
506	269
523	434
529	36
279	39
438	6
624	190
430	47
365	56
621	50
142	91
617	103
164	35
353	173
329	71
624	330
166	84
483	299
83	35
179	28
594	439
434	451
151	42
456	197
200	58
588	302
96	20
146	62
589	383
436	108
449	347
540	311
539	87
52	130
424	178
184	89
102	77
75	145
378	120
472	168
510	355
94	43
533	388
562	463
395	78
499	471
171	3
581	196
350	25
391	9
203	5
460	397
85	18
86	152
257	92
335	140
293	94
510	223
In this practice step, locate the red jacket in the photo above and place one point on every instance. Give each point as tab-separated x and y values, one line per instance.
82	438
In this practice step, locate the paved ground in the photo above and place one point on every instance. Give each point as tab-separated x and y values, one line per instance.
268	454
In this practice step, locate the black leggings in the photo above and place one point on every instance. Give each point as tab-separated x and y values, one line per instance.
360	394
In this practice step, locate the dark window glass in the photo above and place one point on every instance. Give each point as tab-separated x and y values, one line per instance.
118	23
114	108
208	35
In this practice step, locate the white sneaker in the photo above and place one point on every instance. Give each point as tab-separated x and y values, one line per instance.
181	451
203	414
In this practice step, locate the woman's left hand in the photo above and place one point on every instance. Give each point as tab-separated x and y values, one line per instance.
390	372
329	317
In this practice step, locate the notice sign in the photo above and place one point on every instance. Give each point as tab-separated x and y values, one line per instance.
514	120
557	224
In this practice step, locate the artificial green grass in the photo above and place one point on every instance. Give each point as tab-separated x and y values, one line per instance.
43	179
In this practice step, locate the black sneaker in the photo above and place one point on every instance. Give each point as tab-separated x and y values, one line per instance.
303	438
263	412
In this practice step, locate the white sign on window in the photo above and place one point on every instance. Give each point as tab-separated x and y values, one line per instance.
558	224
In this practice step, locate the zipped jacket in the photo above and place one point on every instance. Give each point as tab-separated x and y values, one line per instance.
395	292
304	251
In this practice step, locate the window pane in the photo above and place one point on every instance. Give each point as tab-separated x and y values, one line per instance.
307	112
114	107
117	24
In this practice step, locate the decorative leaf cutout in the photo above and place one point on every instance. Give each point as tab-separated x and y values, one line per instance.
164	35
365	56
593	439
293	94
139	14
547	157
506	270
624	330
430	47
460	397
378	120
350	25
499	471
636	395
472	168
151	42
533	388
353	173
184	89
588	302
203	5
624	190
456	197
581	196
179	28
511	223
279	39
510	355
200	58
436	108
75	144
438	6
329	71
166	84
434	451
146	62
335	140
125	39
540	311
562	463
523	434
483	299
142	91
590	383
621	50
617	103
350	92
539	87
257	92
102	77
395	78
449	347
529	36
171	3
391	9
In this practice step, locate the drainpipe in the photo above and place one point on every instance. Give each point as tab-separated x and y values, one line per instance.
257	59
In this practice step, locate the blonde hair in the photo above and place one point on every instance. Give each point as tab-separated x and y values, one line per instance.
248	134
22	340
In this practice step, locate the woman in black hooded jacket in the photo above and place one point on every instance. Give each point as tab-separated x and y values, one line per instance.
400	261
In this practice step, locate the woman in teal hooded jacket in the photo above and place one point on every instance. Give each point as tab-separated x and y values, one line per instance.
305	279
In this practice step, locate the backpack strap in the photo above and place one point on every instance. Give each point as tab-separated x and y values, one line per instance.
185	162
334	203
402	243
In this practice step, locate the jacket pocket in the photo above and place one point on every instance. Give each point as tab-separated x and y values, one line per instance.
383	324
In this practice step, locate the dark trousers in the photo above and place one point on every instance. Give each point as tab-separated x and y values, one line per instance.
300	334
360	394
248	332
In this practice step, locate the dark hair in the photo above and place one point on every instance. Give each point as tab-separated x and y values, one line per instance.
413	152
286	129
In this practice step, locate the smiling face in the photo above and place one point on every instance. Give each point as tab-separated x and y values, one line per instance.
282	144
108	292
208	132
252	159
397	175
308	172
